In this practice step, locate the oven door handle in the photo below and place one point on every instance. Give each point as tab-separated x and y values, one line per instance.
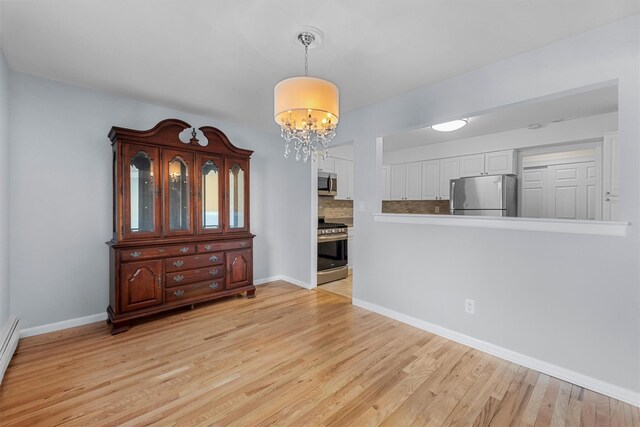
332	237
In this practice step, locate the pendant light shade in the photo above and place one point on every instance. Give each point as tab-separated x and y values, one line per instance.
307	110
298	97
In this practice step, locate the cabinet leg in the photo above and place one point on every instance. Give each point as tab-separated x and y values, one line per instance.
251	293
120	328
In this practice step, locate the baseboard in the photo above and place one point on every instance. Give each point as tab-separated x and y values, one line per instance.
79	321
52	327
281	277
265	280
9	337
603	387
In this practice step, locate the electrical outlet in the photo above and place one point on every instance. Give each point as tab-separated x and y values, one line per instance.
437	209
469	306
361	206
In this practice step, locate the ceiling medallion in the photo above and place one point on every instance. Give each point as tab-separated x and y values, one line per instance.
306	108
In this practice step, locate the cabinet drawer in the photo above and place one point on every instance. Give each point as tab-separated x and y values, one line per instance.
191	276
222	246
194	290
193	261
135	254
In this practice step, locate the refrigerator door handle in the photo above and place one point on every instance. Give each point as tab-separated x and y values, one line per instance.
452	197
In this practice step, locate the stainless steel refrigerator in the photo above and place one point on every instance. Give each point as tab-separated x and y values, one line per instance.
490	195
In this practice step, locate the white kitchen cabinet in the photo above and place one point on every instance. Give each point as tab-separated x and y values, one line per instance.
436	175
406	181
344	173
449	169
326	165
494	163
386	179
431	180
472	165
610	177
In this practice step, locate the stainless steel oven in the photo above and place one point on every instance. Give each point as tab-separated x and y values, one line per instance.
327	184
332	252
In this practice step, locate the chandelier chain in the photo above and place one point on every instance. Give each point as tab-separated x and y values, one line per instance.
306	60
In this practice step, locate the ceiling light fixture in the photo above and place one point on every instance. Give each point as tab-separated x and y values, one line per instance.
450	126
306	108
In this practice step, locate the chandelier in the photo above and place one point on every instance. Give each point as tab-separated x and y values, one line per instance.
306	108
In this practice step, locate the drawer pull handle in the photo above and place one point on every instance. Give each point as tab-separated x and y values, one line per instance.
135	254
178	263
213	258
214	272
214	286
184	249
179	278
161	250
208	247
243	244
179	293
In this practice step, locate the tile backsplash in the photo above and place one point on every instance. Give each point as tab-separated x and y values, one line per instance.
328	207
416	206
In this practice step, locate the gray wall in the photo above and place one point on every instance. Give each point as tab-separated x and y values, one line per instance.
4	190
568	300
61	196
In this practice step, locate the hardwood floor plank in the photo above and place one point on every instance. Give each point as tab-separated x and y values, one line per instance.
288	357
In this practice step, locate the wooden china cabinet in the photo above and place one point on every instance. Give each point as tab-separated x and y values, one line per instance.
180	221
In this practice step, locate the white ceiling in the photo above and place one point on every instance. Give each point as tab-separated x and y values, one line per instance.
224	57
518	116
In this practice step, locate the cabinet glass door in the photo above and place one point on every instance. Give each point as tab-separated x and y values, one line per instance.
178	192
210	194
237	191
140	195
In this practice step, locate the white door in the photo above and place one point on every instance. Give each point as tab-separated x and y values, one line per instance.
398	182
568	196
431	180
449	169
534	184
472	165
386	179
499	162
414	181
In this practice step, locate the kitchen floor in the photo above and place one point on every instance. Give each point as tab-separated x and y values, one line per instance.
340	287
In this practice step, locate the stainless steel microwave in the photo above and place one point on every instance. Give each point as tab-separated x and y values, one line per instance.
327	184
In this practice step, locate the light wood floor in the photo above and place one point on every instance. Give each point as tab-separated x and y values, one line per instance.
340	287
288	357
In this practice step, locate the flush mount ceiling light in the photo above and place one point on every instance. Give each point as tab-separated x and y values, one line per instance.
450	126
306	108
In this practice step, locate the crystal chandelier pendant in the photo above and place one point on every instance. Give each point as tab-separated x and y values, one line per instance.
306	108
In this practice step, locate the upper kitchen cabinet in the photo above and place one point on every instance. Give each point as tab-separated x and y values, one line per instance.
406	181
344	173
495	163
436	175
386	180
327	165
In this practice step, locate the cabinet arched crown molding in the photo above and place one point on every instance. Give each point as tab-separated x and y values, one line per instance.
166	133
